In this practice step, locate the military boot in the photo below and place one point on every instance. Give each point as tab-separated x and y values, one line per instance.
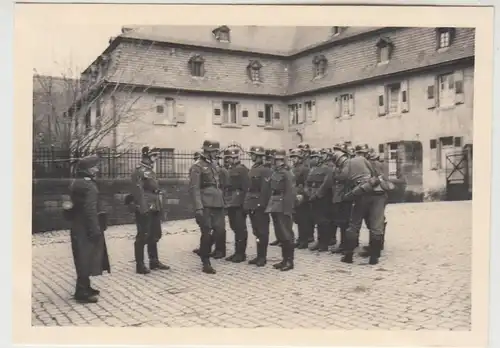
218	255
275	243
375	252
207	267
154	262
288	259
262	255
140	267
366	249
83	293
348	251
314	246
256	258
282	263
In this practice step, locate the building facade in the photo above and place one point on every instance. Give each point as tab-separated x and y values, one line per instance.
408	92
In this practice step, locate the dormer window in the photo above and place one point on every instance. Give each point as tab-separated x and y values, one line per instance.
444	37
254	71
319	64
384	49
197	66
221	34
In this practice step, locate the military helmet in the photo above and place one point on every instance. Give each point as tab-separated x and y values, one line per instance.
304	146
211	145
316	153
362	148
148	151
340	147
257	150
88	162
373	155
280	154
296	153
196	155
350	149
231	153
270	153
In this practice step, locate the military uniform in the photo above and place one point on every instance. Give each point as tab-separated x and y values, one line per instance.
368	203
280	206
303	212
148	201
256	201
208	202
234	197
87	230
321	200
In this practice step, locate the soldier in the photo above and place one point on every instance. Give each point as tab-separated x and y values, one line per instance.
256	201
327	154
280	206
147	205
208	201
320	196
234	197
302	215
87	230
368	203
306	152
269	163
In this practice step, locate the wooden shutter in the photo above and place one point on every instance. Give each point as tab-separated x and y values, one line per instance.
459	87
457	142
302	112
314	115
431	94
279	112
381	101
351	104
245	117
336	107
261	119
405	102
216	112
180	113
433	154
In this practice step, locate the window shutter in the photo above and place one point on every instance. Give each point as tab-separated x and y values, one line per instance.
291	114
405	102
216	112
459	87
261	120
382	109
336	107
245	120
351	104
457	142
431	95
278	117
180	113
386	159
171	115
302	112
433	154
314	116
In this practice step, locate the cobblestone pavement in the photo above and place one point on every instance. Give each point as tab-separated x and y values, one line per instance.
422	282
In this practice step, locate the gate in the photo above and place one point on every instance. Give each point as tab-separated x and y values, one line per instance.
458	176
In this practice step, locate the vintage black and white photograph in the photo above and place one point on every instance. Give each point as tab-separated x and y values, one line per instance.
253	176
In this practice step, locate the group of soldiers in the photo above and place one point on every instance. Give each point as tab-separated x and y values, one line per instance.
321	190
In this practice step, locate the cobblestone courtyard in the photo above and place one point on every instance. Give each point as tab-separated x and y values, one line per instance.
422	281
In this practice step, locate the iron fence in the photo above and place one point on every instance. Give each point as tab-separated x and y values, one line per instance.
52	163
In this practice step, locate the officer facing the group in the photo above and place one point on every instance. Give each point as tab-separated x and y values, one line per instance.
368	203
302	215
87	229
208	201
146	202
234	197
321	199
281	208
256	201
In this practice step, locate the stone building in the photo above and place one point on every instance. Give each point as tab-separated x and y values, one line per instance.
408	92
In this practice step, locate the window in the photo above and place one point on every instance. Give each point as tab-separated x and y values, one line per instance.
441	148
444	37
253	71
392	161
384	50
446	90
160	109
346	105
197	66
393	92
244	114
229	113
98	113
164	111
320	64
268	114
222	33
293	110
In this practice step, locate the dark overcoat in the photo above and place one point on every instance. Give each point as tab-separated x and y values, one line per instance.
87	229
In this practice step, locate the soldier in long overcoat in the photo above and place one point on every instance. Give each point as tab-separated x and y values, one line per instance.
281	202
148	207
88	223
208	201
256	201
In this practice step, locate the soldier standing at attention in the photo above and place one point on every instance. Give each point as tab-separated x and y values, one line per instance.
234	197
87	239
256	201
208	201
303	213
269	163
281	208
147	198
368	203
318	189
